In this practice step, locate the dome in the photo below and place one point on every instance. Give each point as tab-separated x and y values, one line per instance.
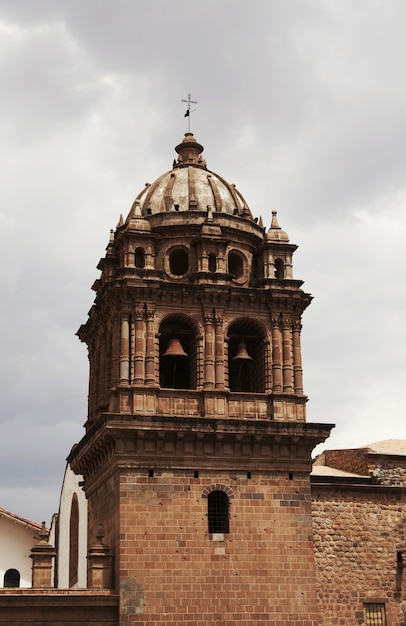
190	186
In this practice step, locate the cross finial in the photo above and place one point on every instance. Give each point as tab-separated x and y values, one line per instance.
189	110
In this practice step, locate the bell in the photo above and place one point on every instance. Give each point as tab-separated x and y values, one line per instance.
242	354
174	348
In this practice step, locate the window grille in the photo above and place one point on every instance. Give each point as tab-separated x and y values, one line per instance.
12	578
218	504
374	614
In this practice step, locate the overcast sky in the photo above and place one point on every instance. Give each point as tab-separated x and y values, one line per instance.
301	104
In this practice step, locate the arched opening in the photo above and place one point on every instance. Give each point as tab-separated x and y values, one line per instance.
178	353
246	356
217	512
235	264
212	262
140	258
279	268
12	578
73	541
178	261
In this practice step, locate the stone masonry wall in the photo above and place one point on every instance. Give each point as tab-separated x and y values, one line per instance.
173	571
350	460
357	536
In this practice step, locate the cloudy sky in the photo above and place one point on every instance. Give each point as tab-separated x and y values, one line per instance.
301	103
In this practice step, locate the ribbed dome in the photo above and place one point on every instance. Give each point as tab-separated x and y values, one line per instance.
190	186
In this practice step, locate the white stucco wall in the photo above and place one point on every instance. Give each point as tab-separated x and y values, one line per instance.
16	541
69	487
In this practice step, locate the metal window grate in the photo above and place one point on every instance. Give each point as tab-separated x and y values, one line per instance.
374	614
218	512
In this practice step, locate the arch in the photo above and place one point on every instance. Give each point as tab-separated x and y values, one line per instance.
178	371
279	268
217	487
74	541
178	261
11	578
246	356
235	264
139	256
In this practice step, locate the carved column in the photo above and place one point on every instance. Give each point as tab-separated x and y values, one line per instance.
91	400
297	358
150	349
209	350
115	350
139	348
125	351
219	353
287	356
276	356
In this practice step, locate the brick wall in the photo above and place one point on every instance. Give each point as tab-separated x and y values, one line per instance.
172	571
103	508
357	534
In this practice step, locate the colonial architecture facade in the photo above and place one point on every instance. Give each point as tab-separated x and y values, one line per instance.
196	460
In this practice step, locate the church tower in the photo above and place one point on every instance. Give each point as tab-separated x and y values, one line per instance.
197	453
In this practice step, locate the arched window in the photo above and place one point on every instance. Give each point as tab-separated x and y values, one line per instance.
178	261
140	258
74	541
279	269
178	353
246	357
12	578
217	512
235	264
212	262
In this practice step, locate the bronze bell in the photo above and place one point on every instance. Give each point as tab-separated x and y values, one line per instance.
242	354
174	348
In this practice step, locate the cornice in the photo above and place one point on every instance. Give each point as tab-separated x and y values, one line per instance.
122	441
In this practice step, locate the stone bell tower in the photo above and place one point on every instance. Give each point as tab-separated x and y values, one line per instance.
197	452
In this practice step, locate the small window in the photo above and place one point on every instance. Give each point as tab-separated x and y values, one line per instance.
235	264
279	269
178	262
374	614
140	258
212	262
12	578
217	513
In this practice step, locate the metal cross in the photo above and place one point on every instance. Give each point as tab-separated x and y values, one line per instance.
189	110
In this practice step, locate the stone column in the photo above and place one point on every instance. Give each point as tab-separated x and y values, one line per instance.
139	348
209	350
102	371
42	554
276	356
150	349
125	351
297	358
99	563
219	353
287	356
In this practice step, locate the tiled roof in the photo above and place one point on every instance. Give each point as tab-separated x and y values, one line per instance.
389	446
17	518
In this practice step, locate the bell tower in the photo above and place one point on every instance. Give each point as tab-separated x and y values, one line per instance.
197	453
